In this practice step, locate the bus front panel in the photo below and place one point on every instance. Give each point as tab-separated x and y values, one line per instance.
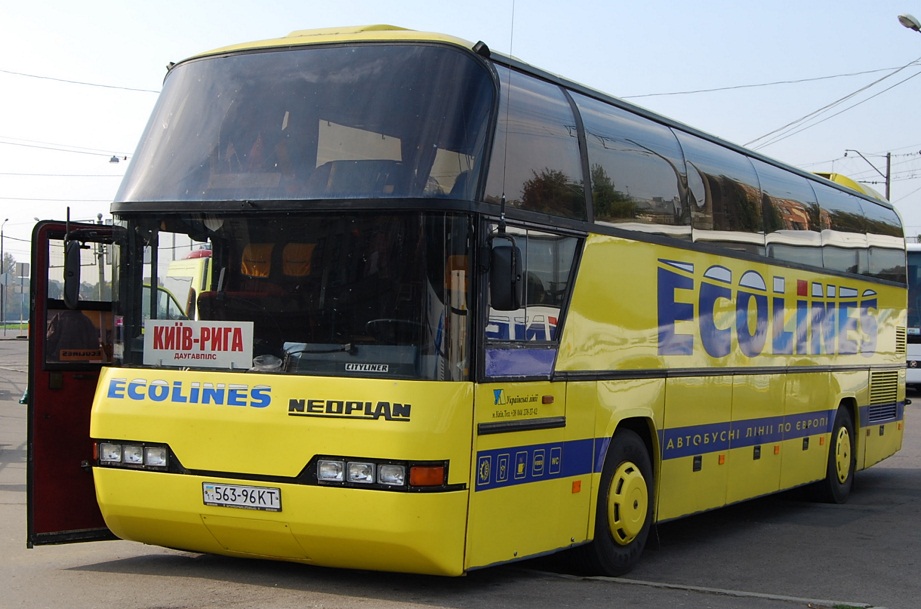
339	472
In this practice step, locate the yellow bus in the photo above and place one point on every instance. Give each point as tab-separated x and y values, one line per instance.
461	312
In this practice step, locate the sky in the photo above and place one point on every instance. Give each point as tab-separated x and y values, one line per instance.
78	80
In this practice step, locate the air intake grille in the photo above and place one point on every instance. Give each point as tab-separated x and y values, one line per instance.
901	338
884	387
880	414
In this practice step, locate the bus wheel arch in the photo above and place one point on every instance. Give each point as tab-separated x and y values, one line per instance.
841	463
624	505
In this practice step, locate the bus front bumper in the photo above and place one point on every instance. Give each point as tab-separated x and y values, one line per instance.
319	525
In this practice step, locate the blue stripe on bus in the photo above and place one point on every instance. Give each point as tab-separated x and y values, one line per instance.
701	439
511	466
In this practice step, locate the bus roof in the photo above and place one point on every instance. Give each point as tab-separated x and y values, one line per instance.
843	180
360	33
392	33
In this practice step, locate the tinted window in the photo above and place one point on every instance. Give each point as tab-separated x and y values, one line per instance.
842	212
881	220
791	215
547	265
315	123
535	157
725	196
637	171
887	263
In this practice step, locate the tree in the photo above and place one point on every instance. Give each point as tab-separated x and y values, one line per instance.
551	191
610	203
9	264
7	272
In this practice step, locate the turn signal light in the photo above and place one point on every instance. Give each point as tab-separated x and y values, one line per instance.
427	475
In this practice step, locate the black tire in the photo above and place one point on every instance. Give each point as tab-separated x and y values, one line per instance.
842	461
624	511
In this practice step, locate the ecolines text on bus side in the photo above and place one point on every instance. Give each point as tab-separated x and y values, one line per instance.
793	316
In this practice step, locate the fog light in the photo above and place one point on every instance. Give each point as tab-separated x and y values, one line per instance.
155	456
331	471
133	455
361	473
391	475
110	453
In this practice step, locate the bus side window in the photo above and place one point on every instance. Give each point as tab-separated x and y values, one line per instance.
547	266
792	218
72	336
536	163
725	196
637	171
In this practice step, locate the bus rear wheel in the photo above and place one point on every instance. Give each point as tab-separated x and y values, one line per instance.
624	513
842	461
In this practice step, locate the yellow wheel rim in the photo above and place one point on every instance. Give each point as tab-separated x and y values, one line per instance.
843	455
628	503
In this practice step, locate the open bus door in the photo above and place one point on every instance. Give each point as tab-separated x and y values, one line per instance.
70	339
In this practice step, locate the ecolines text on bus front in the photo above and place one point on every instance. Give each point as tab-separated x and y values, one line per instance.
743	312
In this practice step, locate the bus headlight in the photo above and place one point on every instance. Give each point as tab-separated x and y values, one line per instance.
330	471
391	475
361	473
110	452
155	456
133	455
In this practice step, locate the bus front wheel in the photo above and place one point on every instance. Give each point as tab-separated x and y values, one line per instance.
624	513
839	473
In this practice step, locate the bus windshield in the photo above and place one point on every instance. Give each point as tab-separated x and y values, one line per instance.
381	294
382	120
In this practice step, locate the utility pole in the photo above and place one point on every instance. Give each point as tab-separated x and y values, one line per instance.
886	176
2	280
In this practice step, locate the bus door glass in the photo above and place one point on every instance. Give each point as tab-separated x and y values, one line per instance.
526	449
71	337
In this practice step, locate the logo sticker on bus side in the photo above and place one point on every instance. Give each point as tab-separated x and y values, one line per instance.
728	312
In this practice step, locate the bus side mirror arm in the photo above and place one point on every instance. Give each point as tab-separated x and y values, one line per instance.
506	287
72	274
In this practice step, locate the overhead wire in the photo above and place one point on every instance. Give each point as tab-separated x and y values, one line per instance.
792	126
76	82
757	85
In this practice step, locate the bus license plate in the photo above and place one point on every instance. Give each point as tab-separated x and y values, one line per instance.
246	497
